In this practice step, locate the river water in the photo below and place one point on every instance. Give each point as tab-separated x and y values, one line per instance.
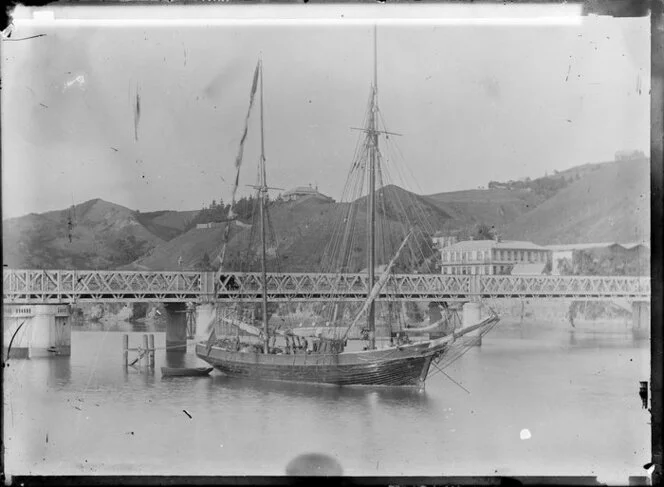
538	400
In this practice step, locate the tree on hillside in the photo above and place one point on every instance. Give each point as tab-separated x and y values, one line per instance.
482	231
204	264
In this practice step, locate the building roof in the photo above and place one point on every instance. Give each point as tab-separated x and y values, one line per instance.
524	269
301	190
492	244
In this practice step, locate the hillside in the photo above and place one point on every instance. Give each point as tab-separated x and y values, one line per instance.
104	235
610	203
305	230
599	202
493	207
166	224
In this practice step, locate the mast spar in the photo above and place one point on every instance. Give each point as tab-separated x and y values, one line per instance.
371	214
262	190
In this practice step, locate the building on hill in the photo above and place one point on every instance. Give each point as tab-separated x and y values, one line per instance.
200	226
441	241
303	191
492	257
632	258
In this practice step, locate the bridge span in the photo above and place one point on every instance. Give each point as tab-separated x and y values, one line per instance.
70	287
37	298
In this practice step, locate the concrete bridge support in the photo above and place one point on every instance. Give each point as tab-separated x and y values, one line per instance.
641	319
206	317
176	327
43	330
472	314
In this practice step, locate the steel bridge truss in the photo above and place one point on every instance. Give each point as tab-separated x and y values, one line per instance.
65	286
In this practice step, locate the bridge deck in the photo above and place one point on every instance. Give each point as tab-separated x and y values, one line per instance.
66	286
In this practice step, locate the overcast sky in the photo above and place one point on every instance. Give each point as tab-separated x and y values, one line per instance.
474	103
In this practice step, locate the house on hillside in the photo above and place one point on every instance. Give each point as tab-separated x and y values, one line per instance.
441	240
634	257
492	257
304	191
201	226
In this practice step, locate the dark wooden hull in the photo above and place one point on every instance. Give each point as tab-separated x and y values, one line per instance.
405	366
185	372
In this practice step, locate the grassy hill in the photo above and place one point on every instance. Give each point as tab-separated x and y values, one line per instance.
609	203
103	235
493	207
166	224
599	202
307	232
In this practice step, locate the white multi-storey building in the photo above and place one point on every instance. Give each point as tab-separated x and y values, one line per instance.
490	256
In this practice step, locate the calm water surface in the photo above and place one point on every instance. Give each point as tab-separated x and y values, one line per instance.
577	395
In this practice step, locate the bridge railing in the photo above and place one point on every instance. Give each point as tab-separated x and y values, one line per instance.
58	284
52	286
563	286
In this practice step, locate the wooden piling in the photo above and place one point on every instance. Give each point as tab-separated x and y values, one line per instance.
151	353
125	350
146	349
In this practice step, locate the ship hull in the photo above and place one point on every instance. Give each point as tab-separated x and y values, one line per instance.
405	366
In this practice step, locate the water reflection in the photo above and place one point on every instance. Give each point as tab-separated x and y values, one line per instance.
387	396
599	339
59	371
176	358
149	326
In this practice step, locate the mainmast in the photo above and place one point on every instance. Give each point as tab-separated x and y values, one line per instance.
262	192
371	214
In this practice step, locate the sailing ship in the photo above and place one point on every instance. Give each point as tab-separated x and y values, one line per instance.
325	359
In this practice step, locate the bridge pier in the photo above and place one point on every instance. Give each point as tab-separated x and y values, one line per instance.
206	316
176	327
45	330
640	319
472	314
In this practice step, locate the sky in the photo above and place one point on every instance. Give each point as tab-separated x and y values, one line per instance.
473	102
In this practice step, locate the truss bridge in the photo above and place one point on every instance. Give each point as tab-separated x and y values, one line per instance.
70	287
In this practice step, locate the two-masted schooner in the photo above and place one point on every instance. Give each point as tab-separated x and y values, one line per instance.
325	359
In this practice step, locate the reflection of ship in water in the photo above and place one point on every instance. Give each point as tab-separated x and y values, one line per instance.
391	396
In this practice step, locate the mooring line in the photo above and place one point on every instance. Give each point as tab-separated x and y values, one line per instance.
443	372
